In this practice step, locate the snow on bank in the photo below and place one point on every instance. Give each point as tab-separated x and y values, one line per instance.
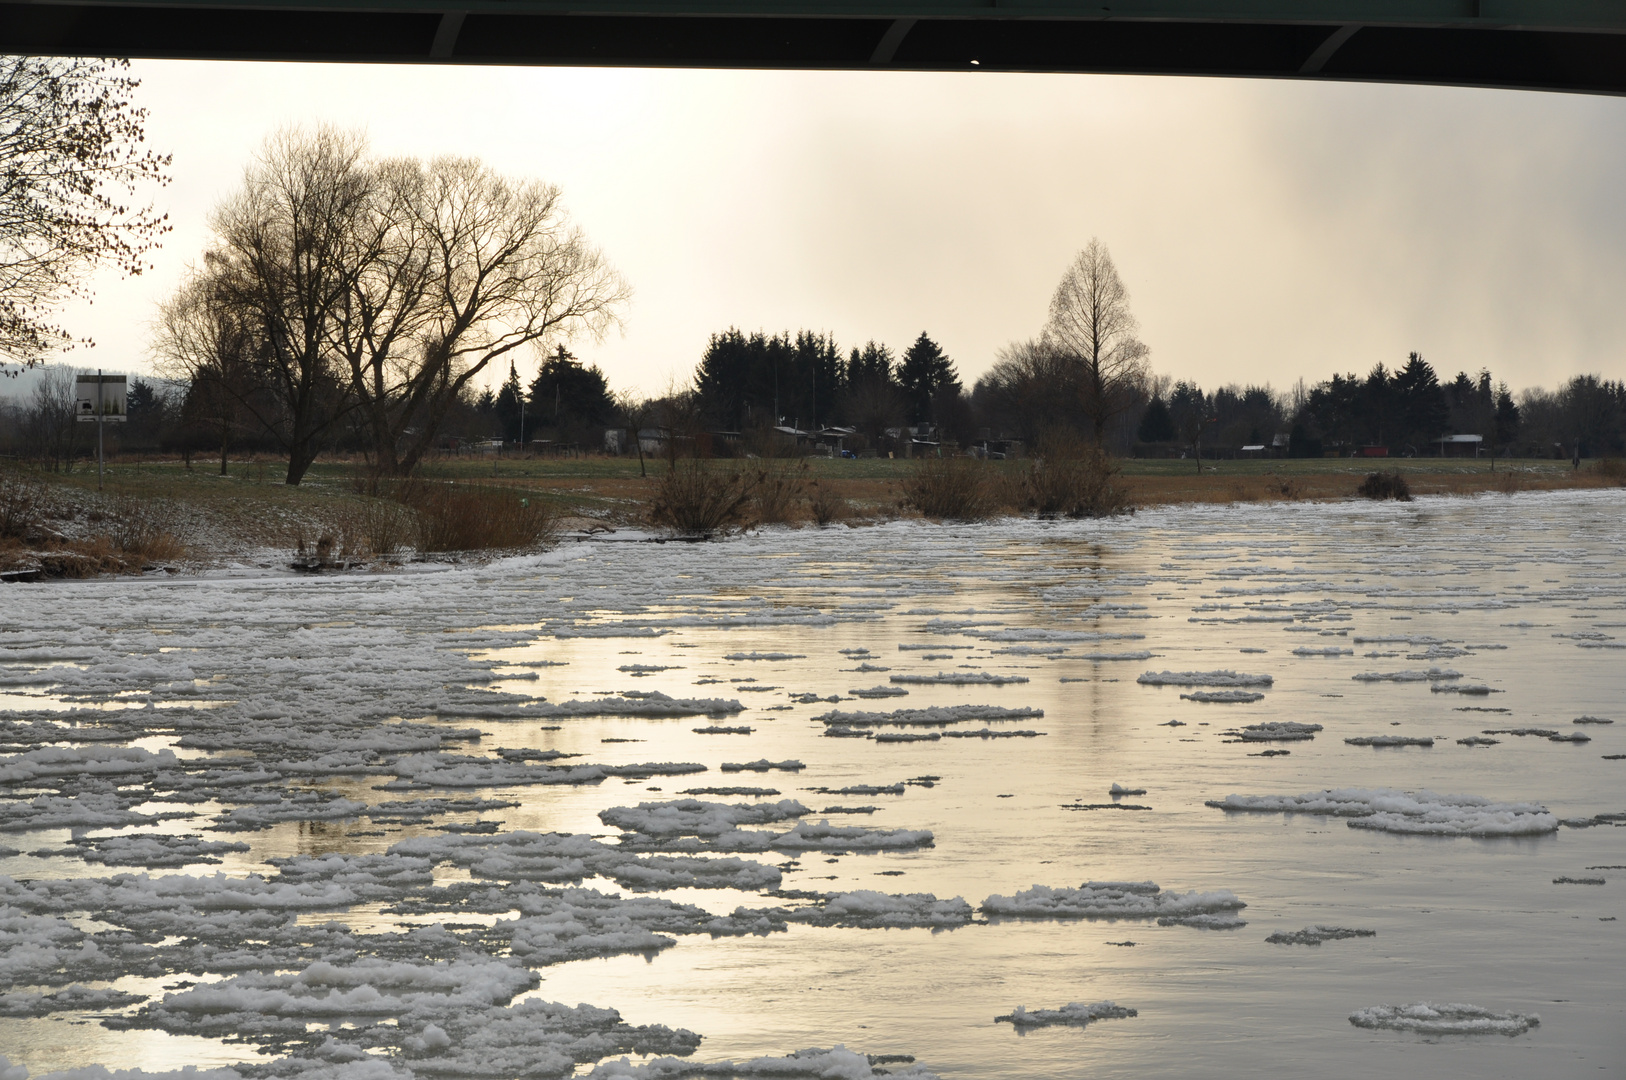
1432	1018
1389	810
1073	1014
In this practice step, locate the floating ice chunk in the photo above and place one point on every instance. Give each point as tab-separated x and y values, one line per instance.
1223	696
935	716
1136	654
1315	935
1118	789
1279	731
52	762
1038	634
648	704
765	656
1542	733
868	668
154	850
1432	674
907	736
824	836
1203	678
980	733
1471	689
880	692
862	789
1591	720
647	669
1476	740
565	859
731	791
71	999
1073	1014
762	765
1390	740
1431	1018
1330	650
837	1063
724	729
294	806
871	910
1111	900
959	678
1565	880
692	817
1421	812
1203	921
91	810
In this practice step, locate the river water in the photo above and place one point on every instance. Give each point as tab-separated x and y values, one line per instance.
1519	600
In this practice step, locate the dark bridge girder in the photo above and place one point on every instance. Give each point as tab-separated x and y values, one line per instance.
1573	45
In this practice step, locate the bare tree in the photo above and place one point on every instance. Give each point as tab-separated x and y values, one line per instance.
1091	326
458	266
71	144
285	261
51	428
204	342
1032	389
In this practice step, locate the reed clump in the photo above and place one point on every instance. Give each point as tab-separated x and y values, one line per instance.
699	498
951	489
1382	485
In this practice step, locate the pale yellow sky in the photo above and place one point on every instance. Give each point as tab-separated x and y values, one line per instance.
1266	230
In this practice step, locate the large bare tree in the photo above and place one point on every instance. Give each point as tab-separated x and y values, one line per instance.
1091	327
286	260
71	161
460	266
207	343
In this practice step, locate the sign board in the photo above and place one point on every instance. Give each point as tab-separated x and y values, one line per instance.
99	395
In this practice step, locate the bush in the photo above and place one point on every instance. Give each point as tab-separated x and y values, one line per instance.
1381	485
955	489
382	526
824	504
1612	469
464	517
695	498
22	505
141	532
1072	479
775	486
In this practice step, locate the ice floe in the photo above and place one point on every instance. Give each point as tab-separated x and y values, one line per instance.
1073	1014
1203	678
1435	1018
959	678
1238	697
1390	740
1279	731
1112	900
1315	935
1432	674
1422	812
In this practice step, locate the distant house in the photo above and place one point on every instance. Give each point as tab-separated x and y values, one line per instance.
1459	445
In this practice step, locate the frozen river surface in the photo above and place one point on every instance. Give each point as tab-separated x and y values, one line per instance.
379	825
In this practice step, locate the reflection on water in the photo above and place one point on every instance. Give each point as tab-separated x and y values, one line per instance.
1522	598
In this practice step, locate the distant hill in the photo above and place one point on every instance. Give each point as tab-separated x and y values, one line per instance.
18	383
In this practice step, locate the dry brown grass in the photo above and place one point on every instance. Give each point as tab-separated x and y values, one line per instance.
1611	470
467	517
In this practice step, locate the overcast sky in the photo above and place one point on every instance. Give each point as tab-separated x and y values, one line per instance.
1267	231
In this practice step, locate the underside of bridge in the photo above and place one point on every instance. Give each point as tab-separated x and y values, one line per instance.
1573	45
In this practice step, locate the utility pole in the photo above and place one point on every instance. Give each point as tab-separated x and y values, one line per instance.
99	411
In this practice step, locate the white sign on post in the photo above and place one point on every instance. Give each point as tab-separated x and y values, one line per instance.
99	396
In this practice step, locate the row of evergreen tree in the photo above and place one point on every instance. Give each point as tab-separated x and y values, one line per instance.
747	381
1405	410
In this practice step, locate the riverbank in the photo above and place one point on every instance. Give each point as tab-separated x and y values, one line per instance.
159	514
